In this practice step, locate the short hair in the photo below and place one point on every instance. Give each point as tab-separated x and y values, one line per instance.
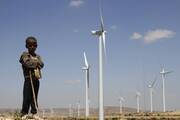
30	38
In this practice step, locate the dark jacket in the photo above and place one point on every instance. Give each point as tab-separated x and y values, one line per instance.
29	63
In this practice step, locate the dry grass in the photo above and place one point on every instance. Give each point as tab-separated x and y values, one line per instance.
126	116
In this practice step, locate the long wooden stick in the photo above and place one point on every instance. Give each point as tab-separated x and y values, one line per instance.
34	97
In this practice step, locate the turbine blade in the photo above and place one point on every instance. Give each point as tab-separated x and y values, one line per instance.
102	23
85	60
101	17
104	42
167	72
88	77
154	81
102	27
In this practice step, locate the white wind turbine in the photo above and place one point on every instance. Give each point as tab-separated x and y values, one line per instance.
121	100
163	74
78	108
52	112
150	86
86	69
70	110
138	94
101	34
43	113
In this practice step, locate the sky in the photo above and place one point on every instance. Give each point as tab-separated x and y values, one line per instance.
142	36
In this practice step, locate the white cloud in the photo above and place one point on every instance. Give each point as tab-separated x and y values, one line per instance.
76	3
76	30
155	35
136	36
113	27
72	81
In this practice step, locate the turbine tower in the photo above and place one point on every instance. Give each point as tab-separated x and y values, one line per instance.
121	99
43	113
70	110
138	94
52	112
86	69
101	34
163	74
78	108
150	86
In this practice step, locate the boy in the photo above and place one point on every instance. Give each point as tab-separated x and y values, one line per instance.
31	65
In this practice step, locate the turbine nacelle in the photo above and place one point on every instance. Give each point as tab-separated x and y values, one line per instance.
138	94
121	99
85	68
98	33
149	86
163	72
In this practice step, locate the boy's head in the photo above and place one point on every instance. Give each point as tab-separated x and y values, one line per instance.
31	44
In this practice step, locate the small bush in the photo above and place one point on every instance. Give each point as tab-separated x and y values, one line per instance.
17	115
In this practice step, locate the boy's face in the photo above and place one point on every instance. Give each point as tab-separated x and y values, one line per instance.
31	46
